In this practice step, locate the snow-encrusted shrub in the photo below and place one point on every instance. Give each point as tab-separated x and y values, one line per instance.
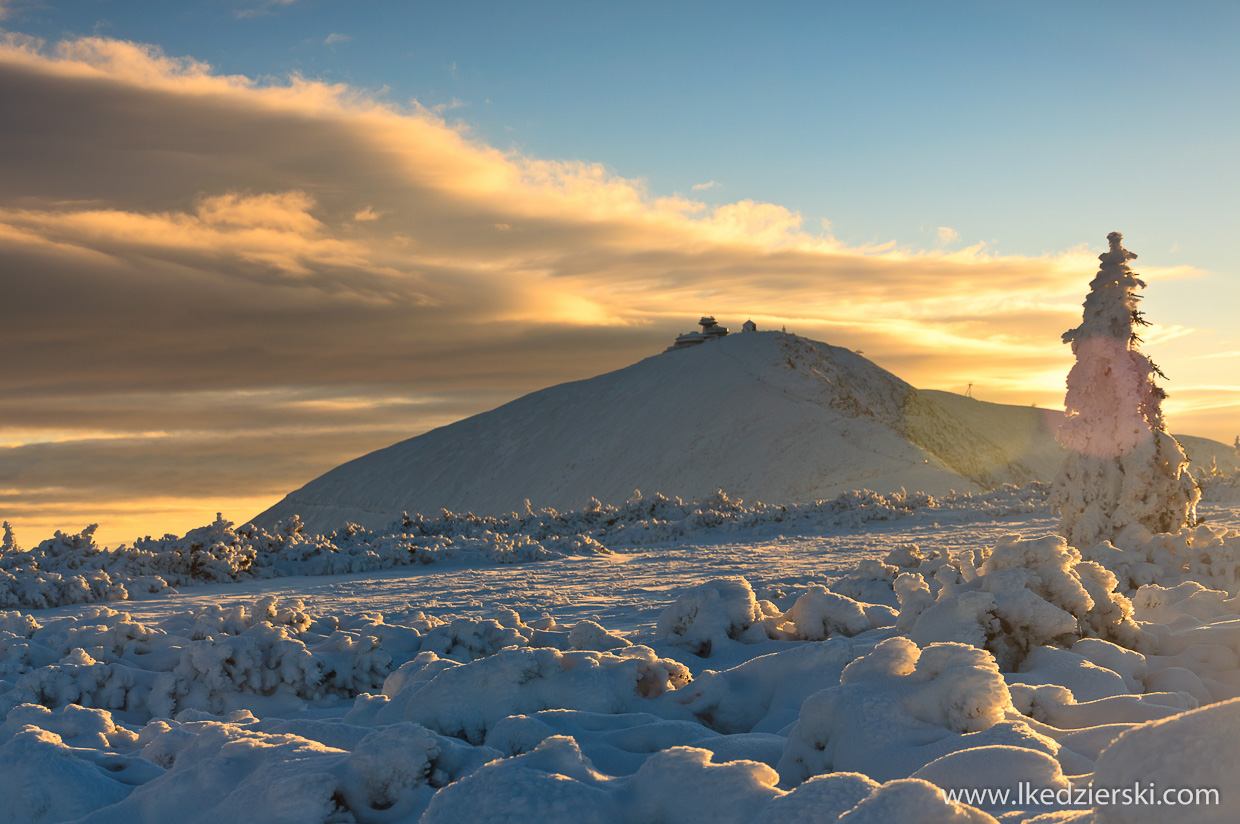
18	624
915	597
105	633
268	653
216	658
80	679
617	743
1124	478
1166	604
1023	594
592	635
213	620
76	725
1056	706
465	700
765	693
820	613
267	659
911	556
869	581
1204	554
899	708
1220	487
72	569
711	614
467	639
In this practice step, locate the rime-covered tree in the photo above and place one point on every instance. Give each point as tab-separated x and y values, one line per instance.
1124	476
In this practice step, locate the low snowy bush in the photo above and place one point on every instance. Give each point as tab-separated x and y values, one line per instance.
73	569
1021	595
465	700
764	694
708	616
1204	554
899	708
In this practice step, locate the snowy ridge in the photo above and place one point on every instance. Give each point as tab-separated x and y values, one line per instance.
765	415
72	569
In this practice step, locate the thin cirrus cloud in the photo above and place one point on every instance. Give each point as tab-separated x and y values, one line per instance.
182	252
263	9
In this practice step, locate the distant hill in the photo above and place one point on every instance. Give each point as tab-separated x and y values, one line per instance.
763	415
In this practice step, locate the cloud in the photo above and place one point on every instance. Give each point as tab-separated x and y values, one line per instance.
700	187
440	108
264	9
946	235
178	236
335	38
8	8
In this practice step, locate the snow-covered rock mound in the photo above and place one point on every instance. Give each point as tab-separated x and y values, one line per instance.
763	415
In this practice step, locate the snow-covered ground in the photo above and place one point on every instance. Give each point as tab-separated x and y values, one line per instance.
652	662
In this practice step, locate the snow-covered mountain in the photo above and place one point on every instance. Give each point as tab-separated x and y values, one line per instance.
763	415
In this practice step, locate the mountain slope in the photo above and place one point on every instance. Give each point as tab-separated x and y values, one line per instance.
763	415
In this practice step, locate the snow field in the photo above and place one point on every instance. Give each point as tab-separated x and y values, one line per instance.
72	569
949	663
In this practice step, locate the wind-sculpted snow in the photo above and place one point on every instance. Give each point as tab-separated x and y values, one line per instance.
1022	662
73	569
1175	754
204	768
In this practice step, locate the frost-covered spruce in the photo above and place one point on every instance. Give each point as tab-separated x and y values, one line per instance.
9	544
1124	477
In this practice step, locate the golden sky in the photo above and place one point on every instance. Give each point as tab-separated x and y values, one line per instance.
216	288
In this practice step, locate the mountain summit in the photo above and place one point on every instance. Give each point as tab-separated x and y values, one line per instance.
763	415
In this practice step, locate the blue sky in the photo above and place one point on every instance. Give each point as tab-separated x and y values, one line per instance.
395	214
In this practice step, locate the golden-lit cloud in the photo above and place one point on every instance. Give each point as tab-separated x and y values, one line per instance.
183	252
